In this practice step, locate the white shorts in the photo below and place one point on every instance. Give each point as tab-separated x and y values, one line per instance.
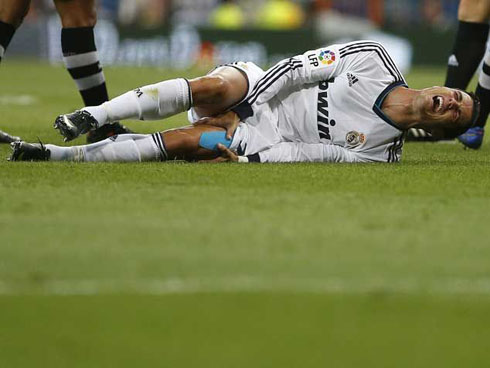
249	139
253	74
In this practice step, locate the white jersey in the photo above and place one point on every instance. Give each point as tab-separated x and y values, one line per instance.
324	105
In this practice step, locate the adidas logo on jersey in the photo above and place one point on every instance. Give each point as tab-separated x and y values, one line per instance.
352	79
452	61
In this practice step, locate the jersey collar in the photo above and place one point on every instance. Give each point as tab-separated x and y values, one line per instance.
381	98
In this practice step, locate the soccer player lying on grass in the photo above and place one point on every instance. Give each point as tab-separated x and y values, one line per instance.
342	103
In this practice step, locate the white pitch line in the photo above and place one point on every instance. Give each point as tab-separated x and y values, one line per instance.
479	286
22	100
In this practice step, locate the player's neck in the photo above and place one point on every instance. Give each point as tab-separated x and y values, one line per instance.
399	106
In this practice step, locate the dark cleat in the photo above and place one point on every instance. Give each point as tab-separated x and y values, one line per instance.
72	125
22	151
106	131
7	138
472	138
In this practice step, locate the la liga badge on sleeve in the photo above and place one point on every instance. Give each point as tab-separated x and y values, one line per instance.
326	57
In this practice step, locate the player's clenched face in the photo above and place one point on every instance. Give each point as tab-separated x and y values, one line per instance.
445	107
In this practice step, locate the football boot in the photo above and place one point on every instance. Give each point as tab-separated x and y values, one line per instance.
74	124
106	131
23	151
7	138
472	138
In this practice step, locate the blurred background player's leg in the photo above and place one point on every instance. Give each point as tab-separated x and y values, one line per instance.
78	18
468	50
12	13
483	90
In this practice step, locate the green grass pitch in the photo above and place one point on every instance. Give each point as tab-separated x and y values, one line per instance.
195	265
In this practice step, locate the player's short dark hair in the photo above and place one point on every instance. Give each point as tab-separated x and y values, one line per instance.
456	130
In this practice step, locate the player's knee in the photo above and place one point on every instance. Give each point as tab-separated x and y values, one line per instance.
15	15
211	90
75	13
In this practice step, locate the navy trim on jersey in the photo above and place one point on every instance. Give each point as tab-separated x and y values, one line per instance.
395	147
270	74
388	62
273	76
379	102
253	157
244	109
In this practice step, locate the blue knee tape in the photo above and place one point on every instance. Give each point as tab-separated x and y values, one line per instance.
210	140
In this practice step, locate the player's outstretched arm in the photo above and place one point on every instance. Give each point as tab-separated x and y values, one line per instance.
303	152
318	65
312	66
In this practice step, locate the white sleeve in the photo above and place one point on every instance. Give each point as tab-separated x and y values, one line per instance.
316	66
306	152
312	66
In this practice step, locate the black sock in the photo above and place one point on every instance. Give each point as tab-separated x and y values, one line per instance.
82	62
468	51
6	33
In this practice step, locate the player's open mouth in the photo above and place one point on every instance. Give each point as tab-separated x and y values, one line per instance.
437	103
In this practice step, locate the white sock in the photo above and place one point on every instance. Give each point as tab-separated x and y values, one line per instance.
60	153
152	102
121	148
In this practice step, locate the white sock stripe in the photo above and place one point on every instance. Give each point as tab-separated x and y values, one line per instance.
90	82
161	145
157	140
2	51
189	93
484	80
75	61
486	58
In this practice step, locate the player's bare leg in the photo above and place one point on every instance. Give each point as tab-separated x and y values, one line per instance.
218	91
78	18
209	95
12	13
475	11
191	143
187	143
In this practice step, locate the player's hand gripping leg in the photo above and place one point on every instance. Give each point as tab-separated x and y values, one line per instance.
226	155
228	120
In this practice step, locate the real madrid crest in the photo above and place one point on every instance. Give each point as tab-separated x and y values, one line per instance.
353	138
